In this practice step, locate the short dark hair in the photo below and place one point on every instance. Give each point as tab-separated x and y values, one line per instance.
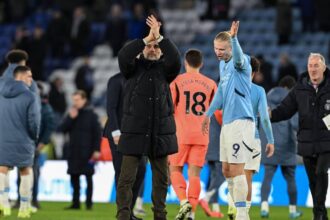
194	58
255	64
20	70
16	56
81	93
287	81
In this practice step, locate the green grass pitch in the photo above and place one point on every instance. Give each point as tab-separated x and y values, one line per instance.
103	211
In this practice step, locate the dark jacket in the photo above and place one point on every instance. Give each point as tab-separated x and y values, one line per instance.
85	136
57	99
19	127
284	134
312	106
115	95
148	126
48	124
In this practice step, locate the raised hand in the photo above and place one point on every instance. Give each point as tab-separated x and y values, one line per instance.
154	26
234	28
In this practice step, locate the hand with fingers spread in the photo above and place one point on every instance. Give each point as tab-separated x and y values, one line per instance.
270	148
234	28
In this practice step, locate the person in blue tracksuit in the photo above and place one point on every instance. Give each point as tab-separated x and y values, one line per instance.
19	130
285	154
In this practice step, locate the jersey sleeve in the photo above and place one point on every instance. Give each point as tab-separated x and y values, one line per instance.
264	116
216	102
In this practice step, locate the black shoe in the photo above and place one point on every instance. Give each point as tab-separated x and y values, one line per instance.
133	217
72	207
320	216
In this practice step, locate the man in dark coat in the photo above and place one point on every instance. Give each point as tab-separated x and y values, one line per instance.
19	129
84	130
148	126
311	99
115	94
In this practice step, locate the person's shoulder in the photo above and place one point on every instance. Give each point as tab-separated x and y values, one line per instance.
180	77
260	89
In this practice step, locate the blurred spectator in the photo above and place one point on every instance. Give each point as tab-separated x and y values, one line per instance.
84	78
237	6
80	32
15	10
323	15
47	126
283	21
37	53
307	13
116	33
266	68
58	33
57	98
22	38
99	9
286	68
213	9
84	130
137	27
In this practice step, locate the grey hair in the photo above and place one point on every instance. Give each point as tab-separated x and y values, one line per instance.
317	55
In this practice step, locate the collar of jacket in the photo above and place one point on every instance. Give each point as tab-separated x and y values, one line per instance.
304	80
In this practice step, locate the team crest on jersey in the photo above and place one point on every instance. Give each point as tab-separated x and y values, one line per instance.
327	105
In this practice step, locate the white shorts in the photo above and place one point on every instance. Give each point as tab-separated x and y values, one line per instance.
235	139
253	162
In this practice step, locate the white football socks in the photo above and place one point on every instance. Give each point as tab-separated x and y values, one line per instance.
240	194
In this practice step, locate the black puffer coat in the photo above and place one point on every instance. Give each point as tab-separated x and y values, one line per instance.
312	106
148	126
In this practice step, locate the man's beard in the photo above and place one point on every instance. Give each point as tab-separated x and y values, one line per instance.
152	57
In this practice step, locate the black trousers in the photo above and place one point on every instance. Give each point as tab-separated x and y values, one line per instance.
117	159
75	182
317	171
127	178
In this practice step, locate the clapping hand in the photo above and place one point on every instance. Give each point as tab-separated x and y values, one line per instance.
154	28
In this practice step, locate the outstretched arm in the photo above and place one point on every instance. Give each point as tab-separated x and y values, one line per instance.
264	117
216	103
286	109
